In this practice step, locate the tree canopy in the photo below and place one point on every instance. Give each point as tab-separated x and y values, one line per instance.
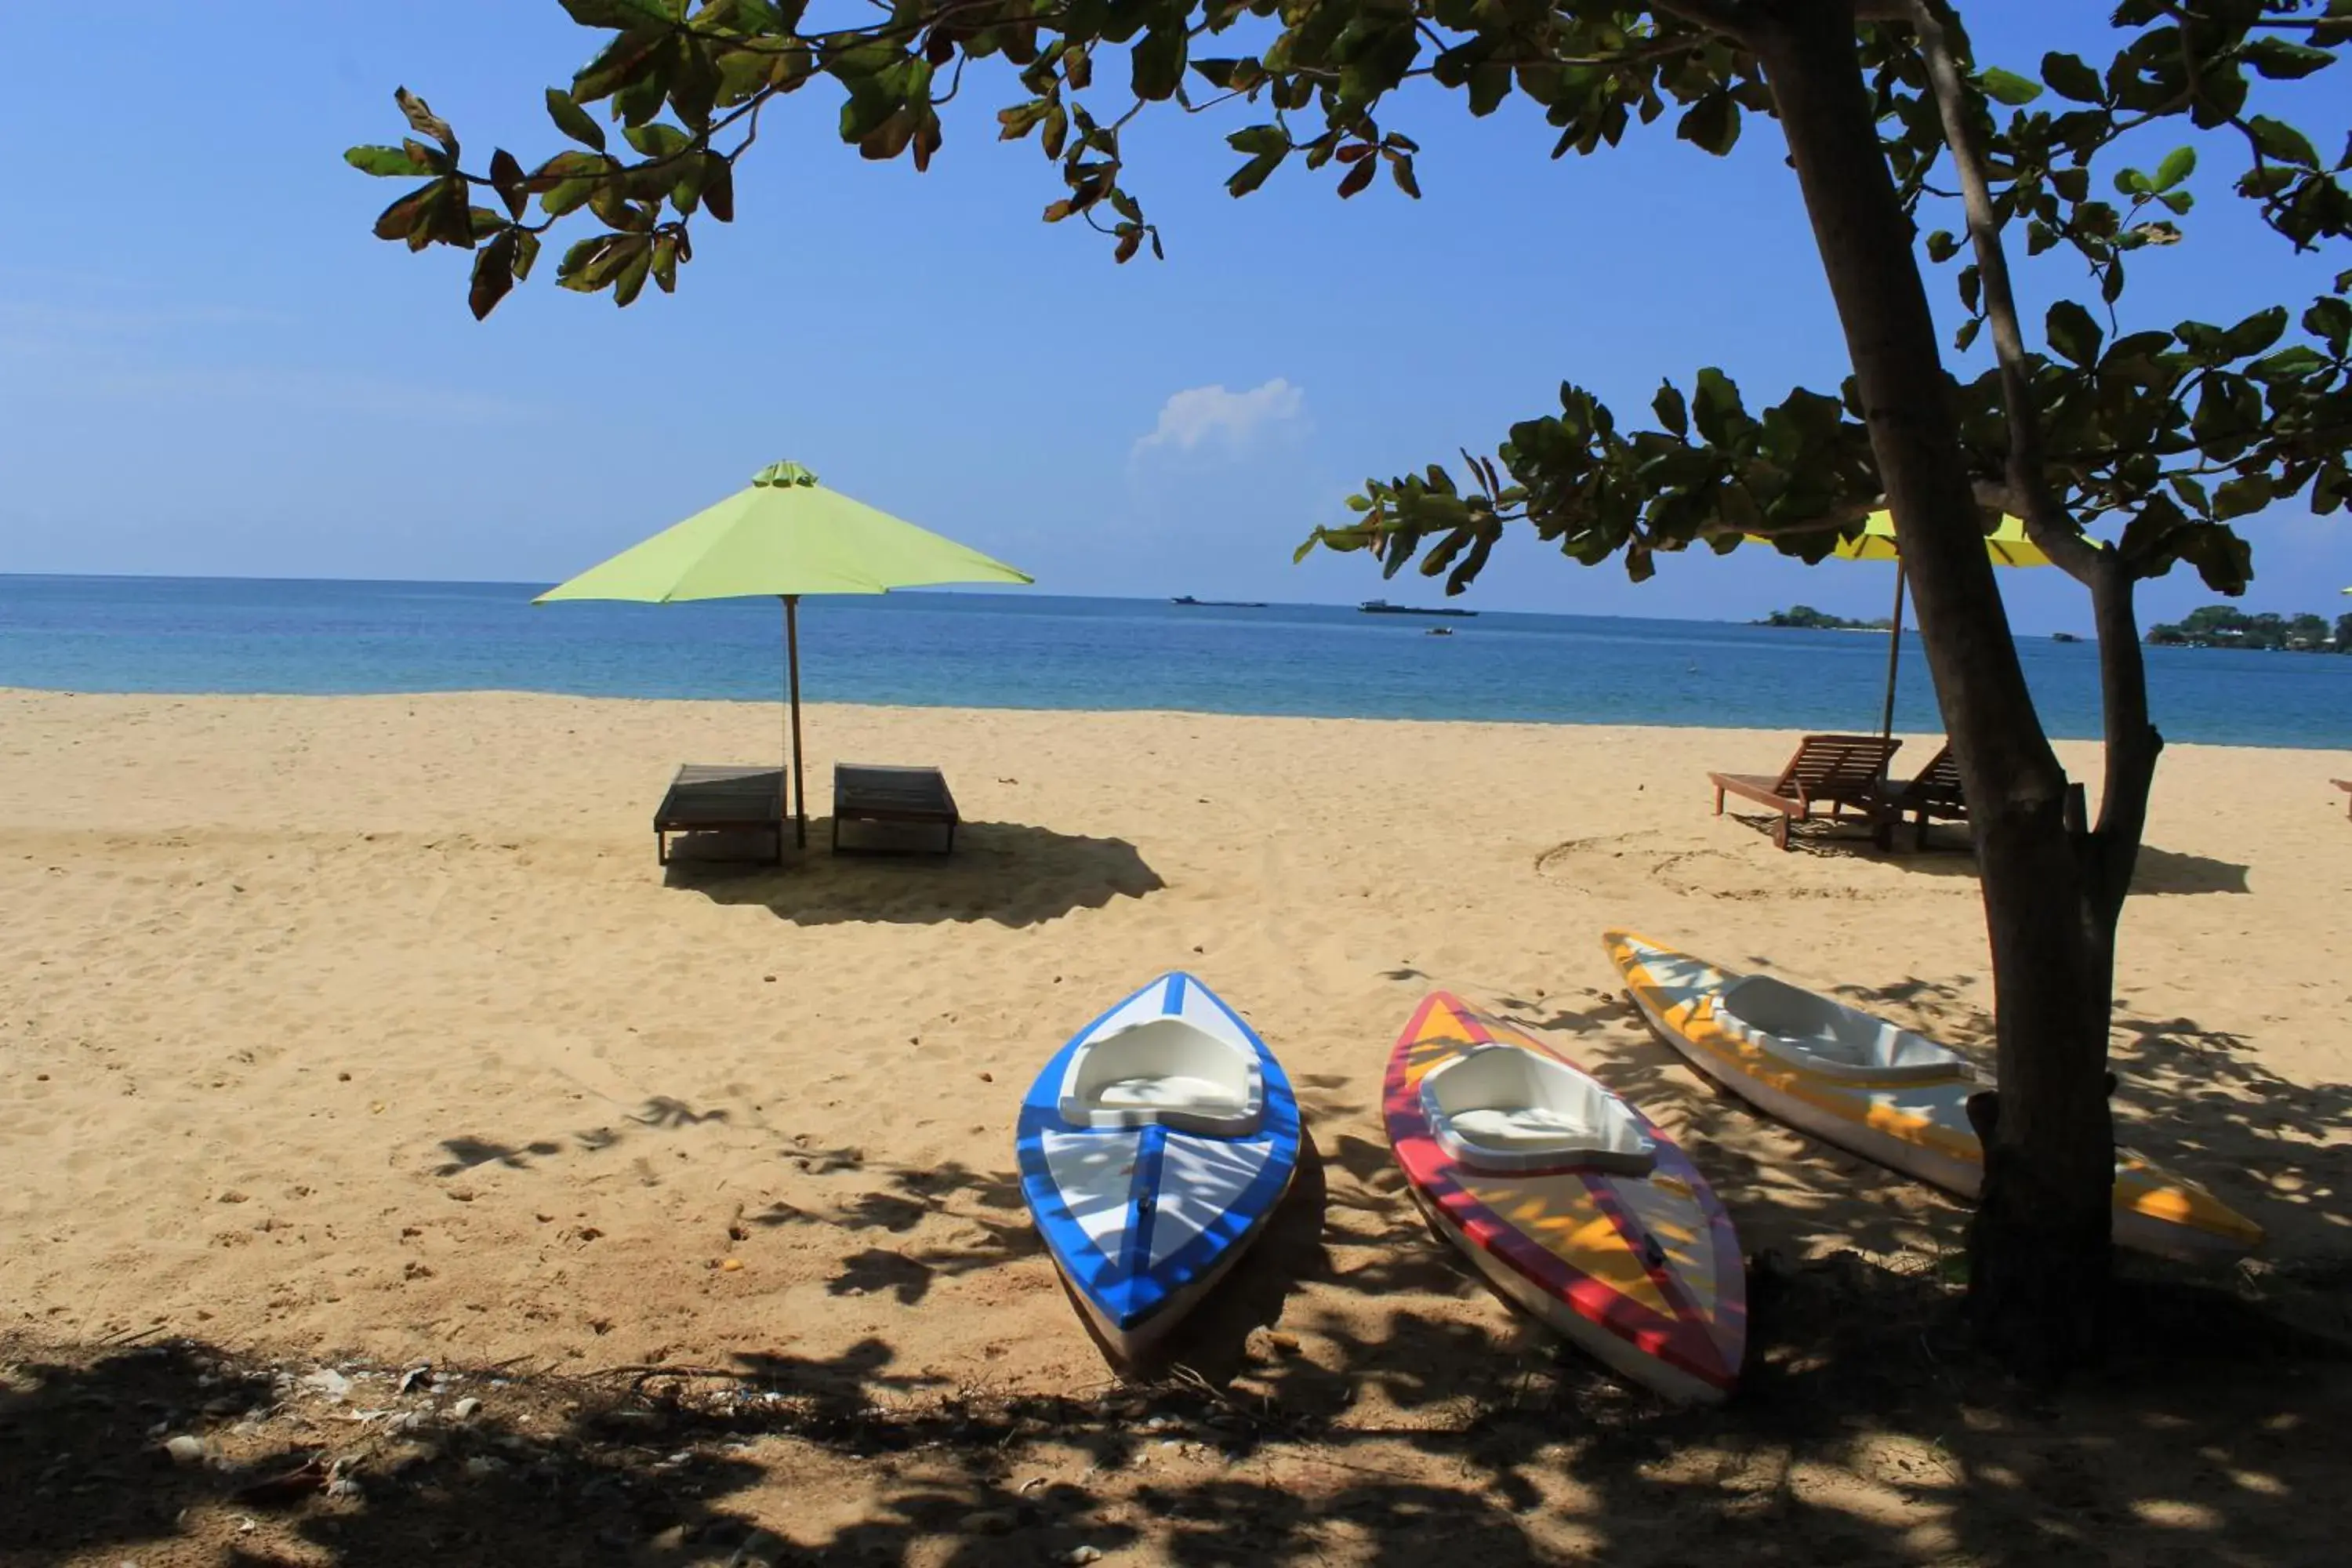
2226	625
2179	431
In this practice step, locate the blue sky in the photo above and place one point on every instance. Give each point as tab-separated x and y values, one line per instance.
207	365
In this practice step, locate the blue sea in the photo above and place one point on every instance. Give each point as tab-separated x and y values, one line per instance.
1030	650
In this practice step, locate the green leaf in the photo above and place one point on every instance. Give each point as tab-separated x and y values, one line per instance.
1717	408
623	13
506	179
1942	247
694	84
1259	139
573	271
526	252
382	161
2070	78
2072	332
659	141
406	216
1712	124
2283	59
718	190
573	120
2008	87
1253	174
1671	410
2177	165
2148	537
2330	318
2223	560
2283	142
627	58
2255	334
1359	176
665	263
493	274
631	278
1157	62
1400	170
1021	119
2241	497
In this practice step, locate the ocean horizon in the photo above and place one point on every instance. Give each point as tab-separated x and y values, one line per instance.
1019	648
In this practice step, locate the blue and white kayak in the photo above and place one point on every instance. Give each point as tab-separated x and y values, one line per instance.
1153	1148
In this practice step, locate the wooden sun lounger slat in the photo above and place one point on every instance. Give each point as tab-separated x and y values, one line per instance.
721	797
2345	786
1836	771
869	792
1934	795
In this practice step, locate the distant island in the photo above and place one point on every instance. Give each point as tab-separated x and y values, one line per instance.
1804	617
1383	607
1218	603
2220	626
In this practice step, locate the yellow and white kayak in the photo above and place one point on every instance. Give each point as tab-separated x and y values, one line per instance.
1853	1079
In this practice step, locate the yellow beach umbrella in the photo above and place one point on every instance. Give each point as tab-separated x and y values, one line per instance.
2007	545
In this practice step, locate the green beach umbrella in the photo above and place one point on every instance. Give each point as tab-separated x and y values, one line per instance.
785	536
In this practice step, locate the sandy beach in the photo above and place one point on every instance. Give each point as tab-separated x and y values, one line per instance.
368	1028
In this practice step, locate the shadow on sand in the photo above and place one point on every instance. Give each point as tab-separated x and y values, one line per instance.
1951	854
1865	1433
1350	1394
1012	873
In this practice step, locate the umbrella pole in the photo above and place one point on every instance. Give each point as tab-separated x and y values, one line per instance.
793	669
1894	655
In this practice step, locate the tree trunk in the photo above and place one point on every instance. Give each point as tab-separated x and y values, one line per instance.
2039	1244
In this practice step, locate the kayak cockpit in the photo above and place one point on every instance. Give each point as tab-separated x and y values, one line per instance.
1810	1031
1498	1108
1165	1071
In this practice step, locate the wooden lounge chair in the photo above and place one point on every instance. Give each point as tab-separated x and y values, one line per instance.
2345	786
863	792
705	798
1835	771
1935	794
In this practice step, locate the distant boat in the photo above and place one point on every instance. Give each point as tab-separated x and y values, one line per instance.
1439	632
1383	607
2063	636
1218	603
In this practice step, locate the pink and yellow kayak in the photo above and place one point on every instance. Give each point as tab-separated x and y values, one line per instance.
1569	1200
1853	1079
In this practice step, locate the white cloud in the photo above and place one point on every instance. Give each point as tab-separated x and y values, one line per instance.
1218	417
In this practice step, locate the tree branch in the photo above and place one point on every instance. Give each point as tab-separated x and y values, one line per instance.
2132	741
2046	521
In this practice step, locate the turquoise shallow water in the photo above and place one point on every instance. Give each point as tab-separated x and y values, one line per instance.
1026	651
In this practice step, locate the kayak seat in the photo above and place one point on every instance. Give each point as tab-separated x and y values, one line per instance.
1165	1071
1810	1031
1498	1108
